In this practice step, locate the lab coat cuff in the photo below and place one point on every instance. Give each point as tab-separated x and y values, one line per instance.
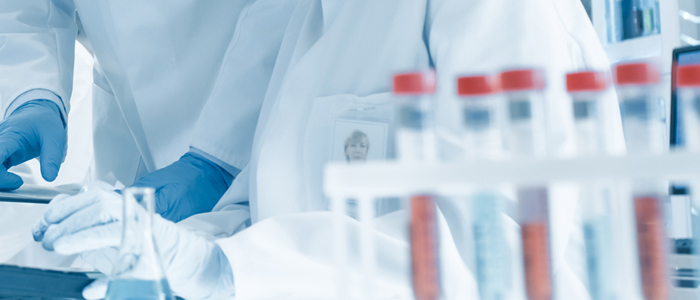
229	168
37	94
237	157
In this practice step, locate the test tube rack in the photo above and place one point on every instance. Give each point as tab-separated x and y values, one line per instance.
373	180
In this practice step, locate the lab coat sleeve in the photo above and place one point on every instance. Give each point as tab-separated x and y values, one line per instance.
37	49
227	123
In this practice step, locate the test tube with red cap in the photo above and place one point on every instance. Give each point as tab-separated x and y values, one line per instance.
644	133
479	116
688	82
415	136
525	136
483	141
416	142
640	107
586	89
525	118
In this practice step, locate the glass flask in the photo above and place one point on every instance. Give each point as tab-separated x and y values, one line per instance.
138	273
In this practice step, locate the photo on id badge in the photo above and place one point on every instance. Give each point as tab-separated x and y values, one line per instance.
359	141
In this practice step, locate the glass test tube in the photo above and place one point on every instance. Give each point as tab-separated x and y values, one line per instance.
644	133
416	142
415	136
688	136
586	89
688	81
525	136
480	121
483	141
651	241
641	110
424	248
534	226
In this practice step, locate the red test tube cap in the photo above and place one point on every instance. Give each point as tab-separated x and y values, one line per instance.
640	73
521	80
688	76
414	83
588	81
476	86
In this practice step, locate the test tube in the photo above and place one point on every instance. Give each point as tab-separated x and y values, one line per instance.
415	136
534	226
424	248
688	82
586	89
415	139
524	133
688	131
525	137
640	107
650	242
480	121
483	141
644	133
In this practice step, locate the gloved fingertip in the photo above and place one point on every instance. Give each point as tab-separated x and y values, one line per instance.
96	290
10	182
51	156
46	245
49	171
39	229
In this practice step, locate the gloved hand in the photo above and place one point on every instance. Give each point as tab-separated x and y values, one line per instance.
189	186
194	266
34	129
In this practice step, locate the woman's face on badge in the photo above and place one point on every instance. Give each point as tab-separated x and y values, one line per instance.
357	150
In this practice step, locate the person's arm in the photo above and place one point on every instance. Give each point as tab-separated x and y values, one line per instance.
223	138
227	123
37	49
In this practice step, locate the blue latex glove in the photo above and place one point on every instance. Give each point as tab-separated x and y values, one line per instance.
93	222
35	129
189	186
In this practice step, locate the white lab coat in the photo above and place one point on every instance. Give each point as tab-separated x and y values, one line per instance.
335	49
157	62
